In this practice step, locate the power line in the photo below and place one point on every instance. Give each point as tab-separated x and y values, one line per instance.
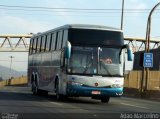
33	7
86	11
12	61
77	15
73	11
60	8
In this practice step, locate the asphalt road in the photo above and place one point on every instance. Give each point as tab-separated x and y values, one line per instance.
18	102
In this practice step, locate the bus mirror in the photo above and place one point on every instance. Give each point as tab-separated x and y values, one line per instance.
129	53
67	50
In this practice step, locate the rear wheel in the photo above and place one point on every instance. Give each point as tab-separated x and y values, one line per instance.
105	99
37	91
42	92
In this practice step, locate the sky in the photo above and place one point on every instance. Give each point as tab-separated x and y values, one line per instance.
21	20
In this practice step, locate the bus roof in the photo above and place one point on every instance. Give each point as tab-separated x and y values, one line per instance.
88	26
81	26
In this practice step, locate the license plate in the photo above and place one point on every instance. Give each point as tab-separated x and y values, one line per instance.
96	92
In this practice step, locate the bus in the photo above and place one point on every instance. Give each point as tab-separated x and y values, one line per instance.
78	60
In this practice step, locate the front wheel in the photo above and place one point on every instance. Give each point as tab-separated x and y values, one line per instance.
105	99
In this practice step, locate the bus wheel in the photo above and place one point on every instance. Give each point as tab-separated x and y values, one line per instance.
34	88
44	93
105	99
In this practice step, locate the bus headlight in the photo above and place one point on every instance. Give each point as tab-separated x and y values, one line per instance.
116	86
74	83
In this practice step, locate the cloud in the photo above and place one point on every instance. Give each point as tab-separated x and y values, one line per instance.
136	5
13	24
60	4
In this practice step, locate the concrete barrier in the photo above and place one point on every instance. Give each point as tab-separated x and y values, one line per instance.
133	80
15	81
3	83
132	85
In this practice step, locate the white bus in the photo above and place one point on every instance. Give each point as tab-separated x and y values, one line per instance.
78	60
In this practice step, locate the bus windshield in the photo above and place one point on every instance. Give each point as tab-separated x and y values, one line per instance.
90	37
95	61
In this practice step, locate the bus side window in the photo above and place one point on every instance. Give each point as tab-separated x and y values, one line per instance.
62	39
65	36
38	44
40	47
30	46
36	49
43	44
56	40
34	46
59	40
48	42
51	40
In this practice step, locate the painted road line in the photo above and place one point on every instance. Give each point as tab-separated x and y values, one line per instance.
55	103
134	106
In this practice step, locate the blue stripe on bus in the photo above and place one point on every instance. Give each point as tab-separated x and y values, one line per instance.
74	90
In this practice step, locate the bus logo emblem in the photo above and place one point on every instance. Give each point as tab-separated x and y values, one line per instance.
96	84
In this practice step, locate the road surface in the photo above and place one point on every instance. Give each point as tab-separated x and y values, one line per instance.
18	102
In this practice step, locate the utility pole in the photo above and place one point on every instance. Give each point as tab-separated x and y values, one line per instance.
10	73
145	78
122	14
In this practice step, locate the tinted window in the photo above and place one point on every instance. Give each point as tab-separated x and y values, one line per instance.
65	37
34	45
95	37
48	42
30	46
43	43
38	44
56	39
59	41
53	41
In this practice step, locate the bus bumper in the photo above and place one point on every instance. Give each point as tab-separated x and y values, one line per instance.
73	90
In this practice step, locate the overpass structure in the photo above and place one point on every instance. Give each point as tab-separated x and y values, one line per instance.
20	43
138	44
14	42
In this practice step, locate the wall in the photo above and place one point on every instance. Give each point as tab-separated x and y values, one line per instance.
16	81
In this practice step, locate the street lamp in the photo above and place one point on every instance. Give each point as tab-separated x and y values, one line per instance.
10	72
147	48
148	31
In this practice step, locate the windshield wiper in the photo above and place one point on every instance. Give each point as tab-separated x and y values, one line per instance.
89	64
